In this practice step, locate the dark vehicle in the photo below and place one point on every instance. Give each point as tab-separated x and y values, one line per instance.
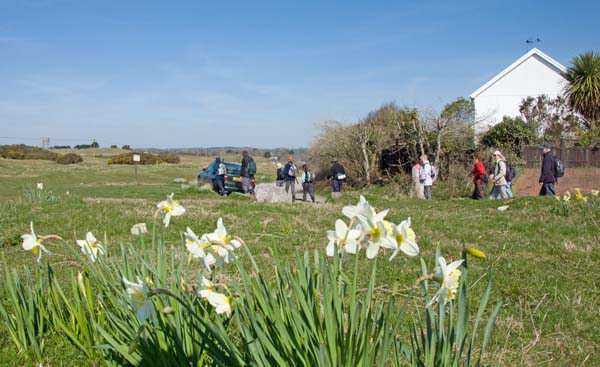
233	181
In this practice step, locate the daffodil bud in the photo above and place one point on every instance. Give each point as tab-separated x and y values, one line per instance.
475	252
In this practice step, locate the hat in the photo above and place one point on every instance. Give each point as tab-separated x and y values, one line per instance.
290	158
547	146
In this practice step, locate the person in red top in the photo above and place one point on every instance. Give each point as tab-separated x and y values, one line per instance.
479	178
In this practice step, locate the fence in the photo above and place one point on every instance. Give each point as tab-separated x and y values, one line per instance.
571	157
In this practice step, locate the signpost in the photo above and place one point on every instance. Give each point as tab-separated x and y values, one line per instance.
136	159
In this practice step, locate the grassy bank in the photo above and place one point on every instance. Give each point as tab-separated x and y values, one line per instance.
544	263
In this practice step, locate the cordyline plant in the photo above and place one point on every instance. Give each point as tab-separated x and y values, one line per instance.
152	307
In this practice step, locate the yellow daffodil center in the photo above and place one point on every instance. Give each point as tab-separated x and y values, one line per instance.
35	250
226	239
375	233
400	238
167	208
579	196
137	297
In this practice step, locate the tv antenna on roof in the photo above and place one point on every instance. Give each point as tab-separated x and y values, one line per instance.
532	41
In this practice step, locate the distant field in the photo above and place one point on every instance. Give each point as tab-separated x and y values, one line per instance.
545	265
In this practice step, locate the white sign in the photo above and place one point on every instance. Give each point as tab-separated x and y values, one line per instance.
136	157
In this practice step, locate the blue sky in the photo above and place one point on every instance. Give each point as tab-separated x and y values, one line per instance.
264	73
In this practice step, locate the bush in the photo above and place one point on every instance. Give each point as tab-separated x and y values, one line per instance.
511	134
126	147
166	157
145	158
70	158
22	151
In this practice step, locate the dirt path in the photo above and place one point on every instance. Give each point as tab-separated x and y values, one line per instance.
586	179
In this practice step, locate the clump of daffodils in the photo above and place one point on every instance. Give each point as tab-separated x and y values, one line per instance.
216	248
368	229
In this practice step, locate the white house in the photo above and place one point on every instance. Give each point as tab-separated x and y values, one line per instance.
534	74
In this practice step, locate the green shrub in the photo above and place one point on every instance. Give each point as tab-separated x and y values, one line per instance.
69	158
22	151
166	157
127	158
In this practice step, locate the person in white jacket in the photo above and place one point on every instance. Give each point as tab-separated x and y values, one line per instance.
426	176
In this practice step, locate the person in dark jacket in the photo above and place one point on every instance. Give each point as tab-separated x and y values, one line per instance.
280	180
337	175
479	174
548	175
219	177
245	173
290	170
307	183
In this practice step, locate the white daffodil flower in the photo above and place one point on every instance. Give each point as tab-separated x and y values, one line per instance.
33	244
219	301
138	295
139	229
201	248
374	229
170	208
404	239
226	244
91	247
40	186
448	276
343	237
362	208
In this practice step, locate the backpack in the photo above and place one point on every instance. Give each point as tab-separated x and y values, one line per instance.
292	170
251	167
221	170
422	174
508	175
559	168
434	172
308	176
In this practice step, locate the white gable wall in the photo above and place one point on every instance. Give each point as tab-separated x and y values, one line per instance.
533	77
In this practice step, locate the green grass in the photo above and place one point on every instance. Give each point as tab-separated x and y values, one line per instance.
545	265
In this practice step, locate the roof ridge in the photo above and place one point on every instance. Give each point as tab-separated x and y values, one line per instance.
534	51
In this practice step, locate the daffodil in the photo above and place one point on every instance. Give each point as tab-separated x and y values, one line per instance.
170	208
594	192
226	243
140	301
201	248
373	228
448	277
219	301
403	238
91	247
34	244
343	237
362	208
578	194
139	229
40	186
567	196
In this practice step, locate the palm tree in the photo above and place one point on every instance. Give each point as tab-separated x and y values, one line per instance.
583	87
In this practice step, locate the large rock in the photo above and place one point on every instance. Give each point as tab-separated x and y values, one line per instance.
271	193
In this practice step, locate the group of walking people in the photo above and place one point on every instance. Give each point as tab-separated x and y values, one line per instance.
502	174
288	175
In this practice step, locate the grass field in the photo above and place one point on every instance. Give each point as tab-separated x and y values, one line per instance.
545	265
